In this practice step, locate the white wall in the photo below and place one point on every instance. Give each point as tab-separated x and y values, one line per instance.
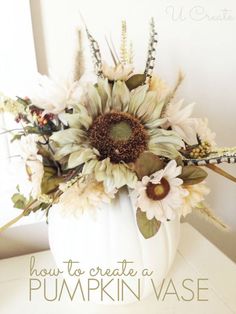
196	36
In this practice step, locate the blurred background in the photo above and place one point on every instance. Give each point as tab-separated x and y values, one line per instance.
197	37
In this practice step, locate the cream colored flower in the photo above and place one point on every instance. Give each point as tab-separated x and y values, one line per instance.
86	195
110	129
161	195
9	105
28	147
159	86
196	194
33	162
53	95
35	171
119	72
204	133
179	120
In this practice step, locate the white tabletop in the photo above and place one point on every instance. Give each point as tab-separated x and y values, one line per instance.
196	259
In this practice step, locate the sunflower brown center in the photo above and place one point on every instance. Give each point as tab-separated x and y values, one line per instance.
119	136
158	191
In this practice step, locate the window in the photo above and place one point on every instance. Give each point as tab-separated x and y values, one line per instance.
17	69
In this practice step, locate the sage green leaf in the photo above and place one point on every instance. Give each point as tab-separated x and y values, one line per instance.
16	137
193	175
165	150
179	161
50	181
147	227
147	164
135	81
19	201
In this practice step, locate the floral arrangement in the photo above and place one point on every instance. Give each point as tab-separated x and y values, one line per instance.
82	143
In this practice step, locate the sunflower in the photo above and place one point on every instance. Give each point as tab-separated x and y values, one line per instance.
109	130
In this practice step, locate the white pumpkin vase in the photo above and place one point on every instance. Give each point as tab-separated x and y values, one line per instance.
110	237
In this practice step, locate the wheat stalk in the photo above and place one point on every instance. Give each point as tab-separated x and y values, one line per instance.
79	59
172	94
123	47
209	215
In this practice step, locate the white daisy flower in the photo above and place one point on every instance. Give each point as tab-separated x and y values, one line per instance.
54	95
161	195
179	120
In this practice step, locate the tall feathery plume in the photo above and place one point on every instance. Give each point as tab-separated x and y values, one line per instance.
95	50
79	59
208	214
123	47
131	53
172	93
151	58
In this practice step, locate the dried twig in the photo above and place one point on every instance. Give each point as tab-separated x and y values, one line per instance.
208	214
17	218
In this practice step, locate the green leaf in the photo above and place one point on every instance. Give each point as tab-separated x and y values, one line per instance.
193	175
50	181
23	101
179	161
135	81
19	201
41	206
147	164
16	137
32	130
147	227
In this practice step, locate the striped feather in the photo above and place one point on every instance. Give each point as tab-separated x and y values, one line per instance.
151	58
227	155
96	54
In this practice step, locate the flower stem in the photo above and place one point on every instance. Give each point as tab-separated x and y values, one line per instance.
221	172
12	222
17	218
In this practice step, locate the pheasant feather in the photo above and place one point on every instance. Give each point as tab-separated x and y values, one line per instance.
96	54
151	58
